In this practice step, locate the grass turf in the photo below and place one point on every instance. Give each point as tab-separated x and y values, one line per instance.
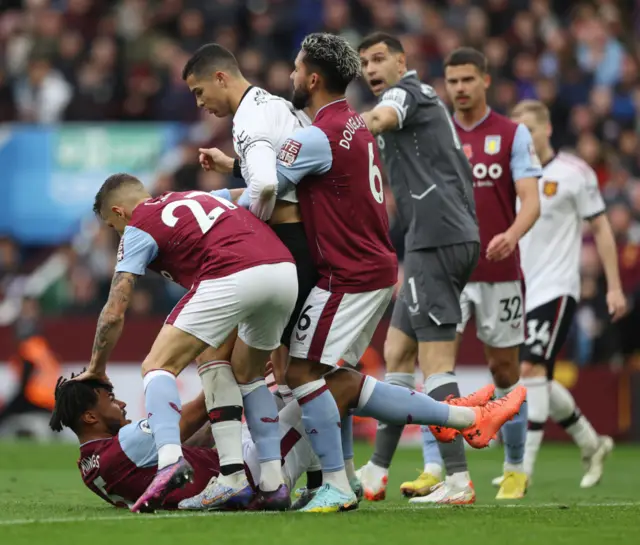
43	502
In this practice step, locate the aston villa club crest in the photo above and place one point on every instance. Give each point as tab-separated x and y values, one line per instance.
468	151
549	188
492	144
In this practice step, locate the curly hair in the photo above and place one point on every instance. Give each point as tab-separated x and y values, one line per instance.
73	398
332	56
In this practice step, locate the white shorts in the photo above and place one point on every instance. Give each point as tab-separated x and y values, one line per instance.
258	301
335	326
498	308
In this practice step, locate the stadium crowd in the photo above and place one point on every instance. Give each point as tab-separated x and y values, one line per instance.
97	60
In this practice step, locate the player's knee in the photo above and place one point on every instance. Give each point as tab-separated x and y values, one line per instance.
153	365
398	357
532	370
222	353
505	373
301	372
345	385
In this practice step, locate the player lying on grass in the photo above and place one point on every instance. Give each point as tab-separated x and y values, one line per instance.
118	458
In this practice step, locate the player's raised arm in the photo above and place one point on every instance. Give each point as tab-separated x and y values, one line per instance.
525	171
137	249
390	113
592	208
307	153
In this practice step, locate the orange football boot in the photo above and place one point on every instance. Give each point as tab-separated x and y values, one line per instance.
491	417
476	399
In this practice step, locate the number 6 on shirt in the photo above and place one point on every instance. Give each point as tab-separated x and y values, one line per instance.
375	177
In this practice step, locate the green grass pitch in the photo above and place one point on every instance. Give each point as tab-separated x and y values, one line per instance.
43	502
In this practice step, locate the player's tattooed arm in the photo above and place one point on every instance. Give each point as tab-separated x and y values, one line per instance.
111	320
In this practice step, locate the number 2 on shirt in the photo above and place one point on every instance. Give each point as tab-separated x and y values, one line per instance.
204	220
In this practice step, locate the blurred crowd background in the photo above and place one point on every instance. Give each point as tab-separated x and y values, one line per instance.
104	61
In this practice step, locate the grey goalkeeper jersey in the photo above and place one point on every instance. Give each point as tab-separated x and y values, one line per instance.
429	173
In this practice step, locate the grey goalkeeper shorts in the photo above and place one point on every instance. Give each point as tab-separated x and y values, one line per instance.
428	306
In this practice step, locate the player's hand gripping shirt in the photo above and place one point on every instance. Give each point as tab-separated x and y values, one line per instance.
193	236
428	173
501	152
261	125
335	166
550	251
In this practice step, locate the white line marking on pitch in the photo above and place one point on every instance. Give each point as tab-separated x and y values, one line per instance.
390	509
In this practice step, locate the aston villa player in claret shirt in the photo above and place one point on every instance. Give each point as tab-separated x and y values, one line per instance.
505	168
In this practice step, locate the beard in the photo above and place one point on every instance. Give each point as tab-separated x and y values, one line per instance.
300	98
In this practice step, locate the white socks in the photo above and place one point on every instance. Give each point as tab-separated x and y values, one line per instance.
563	410
460	418
339	480
168	454
538	400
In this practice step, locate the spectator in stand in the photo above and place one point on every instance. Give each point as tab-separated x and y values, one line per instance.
120	60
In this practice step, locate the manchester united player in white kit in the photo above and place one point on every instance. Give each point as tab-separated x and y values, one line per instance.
550	257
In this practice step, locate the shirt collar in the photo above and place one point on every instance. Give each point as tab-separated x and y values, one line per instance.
330	104
475	125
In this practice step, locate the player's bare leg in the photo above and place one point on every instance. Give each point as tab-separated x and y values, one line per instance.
400	354
279	361
505	368
437	361
171	352
261	413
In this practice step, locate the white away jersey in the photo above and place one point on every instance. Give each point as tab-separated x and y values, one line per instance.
261	125
550	251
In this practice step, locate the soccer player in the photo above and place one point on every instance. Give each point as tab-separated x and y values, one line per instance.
261	124
335	167
119	458
551	264
433	186
238	274
505	168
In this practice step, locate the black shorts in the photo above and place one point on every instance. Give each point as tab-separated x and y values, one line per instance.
547	327
428	305
294	238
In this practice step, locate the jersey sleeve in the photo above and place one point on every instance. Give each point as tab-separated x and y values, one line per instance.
136	250
307	153
136	441
223	194
402	101
524	159
589	200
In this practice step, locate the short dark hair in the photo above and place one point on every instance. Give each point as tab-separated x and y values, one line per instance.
209	58
467	55
111	184
393	44
333	58
72	399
